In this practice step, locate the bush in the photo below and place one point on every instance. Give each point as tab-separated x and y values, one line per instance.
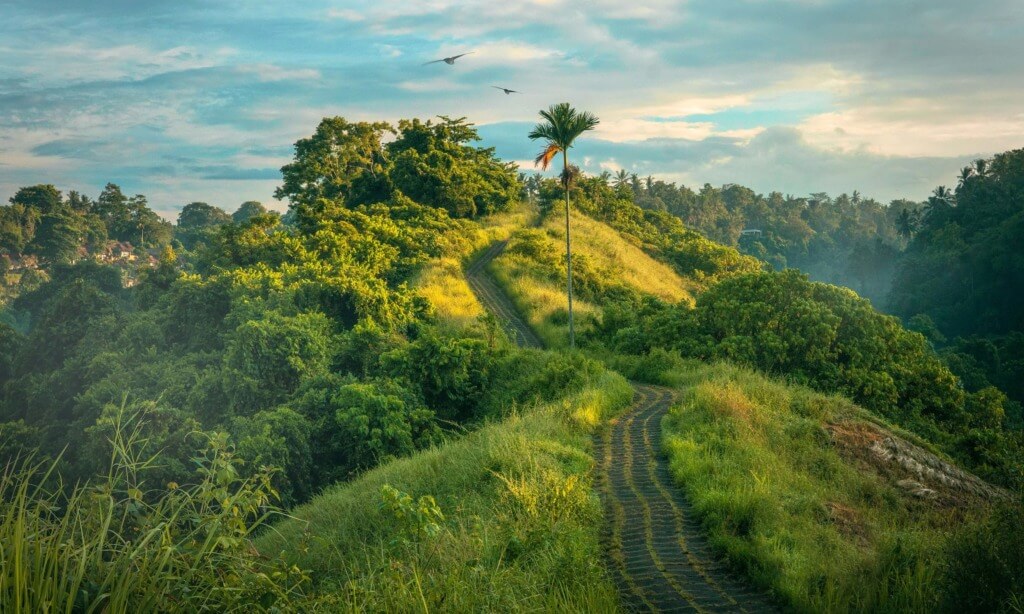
112	546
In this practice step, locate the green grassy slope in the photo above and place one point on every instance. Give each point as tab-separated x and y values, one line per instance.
813	496
806	493
442	282
519	530
606	263
797	488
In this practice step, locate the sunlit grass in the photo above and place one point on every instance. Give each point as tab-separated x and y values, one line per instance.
540	297
543	304
822	532
442	282
611	251
114	546
520	529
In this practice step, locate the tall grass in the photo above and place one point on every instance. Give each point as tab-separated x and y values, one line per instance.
111	546
519	529
609	250
442	281
823	532
537	287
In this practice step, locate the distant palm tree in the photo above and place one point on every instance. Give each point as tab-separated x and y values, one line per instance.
605	177
561	125
981	167
944	194
906	224
965	175
621	178
940	203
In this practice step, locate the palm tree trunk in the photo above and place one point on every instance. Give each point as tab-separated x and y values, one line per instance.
568	250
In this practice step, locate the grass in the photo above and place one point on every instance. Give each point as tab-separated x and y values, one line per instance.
537	288
610	251
821	530
113	545
539	301
502	519
442	281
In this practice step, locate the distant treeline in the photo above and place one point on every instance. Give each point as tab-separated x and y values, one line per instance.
949	265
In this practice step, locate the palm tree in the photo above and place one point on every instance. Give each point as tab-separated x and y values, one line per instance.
906	224
561	125
621	178
965	175
944	194
605	177
940	203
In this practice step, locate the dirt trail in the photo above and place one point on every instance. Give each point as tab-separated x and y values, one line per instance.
656	550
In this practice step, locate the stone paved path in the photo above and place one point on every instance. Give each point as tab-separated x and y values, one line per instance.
656	550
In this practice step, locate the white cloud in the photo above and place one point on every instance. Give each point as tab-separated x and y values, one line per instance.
269	72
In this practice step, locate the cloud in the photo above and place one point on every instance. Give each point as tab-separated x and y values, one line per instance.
886	96
269	72
236	174
776	159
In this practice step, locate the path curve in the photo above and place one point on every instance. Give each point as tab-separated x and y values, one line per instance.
496	301
657	552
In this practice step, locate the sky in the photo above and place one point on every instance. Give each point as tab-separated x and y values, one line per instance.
202	101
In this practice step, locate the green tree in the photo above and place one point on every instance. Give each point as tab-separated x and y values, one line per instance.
17	227
44	198
202	215
279	438
57	238
131	219
906	224
328	164
248	210
434	164
561	126
268	358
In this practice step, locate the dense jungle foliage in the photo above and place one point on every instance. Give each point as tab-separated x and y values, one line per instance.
184	384
299	336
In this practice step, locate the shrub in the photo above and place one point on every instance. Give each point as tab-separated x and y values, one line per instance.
112	546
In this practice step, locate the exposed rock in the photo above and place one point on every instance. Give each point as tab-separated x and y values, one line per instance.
910	468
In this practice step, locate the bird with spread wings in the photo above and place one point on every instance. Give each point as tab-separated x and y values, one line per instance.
506	90
449	60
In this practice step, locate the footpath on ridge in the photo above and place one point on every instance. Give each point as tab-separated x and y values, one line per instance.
656	551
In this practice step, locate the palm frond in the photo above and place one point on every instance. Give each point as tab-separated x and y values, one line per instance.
546	155
561	125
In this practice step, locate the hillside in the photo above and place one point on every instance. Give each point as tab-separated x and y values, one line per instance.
814	496
823	503
818	501
502	519
323	411
607	266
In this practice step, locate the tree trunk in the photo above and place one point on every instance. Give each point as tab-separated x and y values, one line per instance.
568	250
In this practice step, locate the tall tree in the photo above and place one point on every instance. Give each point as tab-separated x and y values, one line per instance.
906	224
561	126
327	163
46	198
202	215
247	211
621	178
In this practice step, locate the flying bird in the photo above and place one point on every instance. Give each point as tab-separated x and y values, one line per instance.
506	90
450	60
